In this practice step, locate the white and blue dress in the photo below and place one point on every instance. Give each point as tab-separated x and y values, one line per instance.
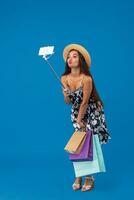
94	119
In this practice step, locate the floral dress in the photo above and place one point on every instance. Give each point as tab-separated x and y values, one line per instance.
93	118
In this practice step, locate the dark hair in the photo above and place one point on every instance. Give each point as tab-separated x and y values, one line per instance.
84	69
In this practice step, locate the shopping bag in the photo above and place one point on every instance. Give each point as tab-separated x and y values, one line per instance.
83	168
76	142
86	152
100	154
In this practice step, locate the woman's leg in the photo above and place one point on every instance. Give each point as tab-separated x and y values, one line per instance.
88	184
77	184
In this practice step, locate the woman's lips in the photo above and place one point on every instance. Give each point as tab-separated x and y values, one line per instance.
70	62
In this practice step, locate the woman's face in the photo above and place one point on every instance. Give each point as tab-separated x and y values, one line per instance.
73	59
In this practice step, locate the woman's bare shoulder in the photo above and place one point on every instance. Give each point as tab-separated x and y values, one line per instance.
87	80
64	78
87	77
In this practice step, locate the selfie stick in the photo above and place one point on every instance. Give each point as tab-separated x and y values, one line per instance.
47	52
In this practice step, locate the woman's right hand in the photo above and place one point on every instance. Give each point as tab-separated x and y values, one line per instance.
66	92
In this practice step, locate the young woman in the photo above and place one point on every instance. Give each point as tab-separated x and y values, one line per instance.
87	107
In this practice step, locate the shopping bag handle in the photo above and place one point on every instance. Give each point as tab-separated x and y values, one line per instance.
82	129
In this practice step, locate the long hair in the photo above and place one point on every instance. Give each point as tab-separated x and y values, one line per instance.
84	69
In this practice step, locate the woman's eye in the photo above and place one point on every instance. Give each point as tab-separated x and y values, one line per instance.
72	56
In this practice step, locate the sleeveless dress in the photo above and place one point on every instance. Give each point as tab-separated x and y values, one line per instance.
94	118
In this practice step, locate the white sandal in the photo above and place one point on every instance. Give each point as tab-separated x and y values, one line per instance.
88	187
77	186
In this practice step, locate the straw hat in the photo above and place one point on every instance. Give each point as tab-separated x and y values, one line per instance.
79	48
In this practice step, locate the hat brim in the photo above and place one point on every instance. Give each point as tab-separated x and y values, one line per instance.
79	48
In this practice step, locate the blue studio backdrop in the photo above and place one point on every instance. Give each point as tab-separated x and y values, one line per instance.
35	122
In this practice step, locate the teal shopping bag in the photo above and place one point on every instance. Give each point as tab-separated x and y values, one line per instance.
83	168
100	154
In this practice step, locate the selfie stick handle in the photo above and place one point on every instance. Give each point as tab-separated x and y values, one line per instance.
53	71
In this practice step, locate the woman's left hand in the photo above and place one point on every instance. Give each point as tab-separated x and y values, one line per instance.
81	124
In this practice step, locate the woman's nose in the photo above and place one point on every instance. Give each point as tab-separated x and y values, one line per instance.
70	60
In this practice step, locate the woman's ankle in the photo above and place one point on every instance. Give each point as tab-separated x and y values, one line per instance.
89	177
78	179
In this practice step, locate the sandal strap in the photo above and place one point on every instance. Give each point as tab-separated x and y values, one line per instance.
86	186
76	184
90	184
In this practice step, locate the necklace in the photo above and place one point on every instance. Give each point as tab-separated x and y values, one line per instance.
74	79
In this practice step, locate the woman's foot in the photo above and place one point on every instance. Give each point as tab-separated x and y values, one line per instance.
89	184
77	183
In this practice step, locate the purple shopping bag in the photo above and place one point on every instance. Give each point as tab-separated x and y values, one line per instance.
86	151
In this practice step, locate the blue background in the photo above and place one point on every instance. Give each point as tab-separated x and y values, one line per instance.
35	122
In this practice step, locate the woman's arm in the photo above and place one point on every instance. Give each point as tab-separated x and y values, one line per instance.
66	98
87	89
